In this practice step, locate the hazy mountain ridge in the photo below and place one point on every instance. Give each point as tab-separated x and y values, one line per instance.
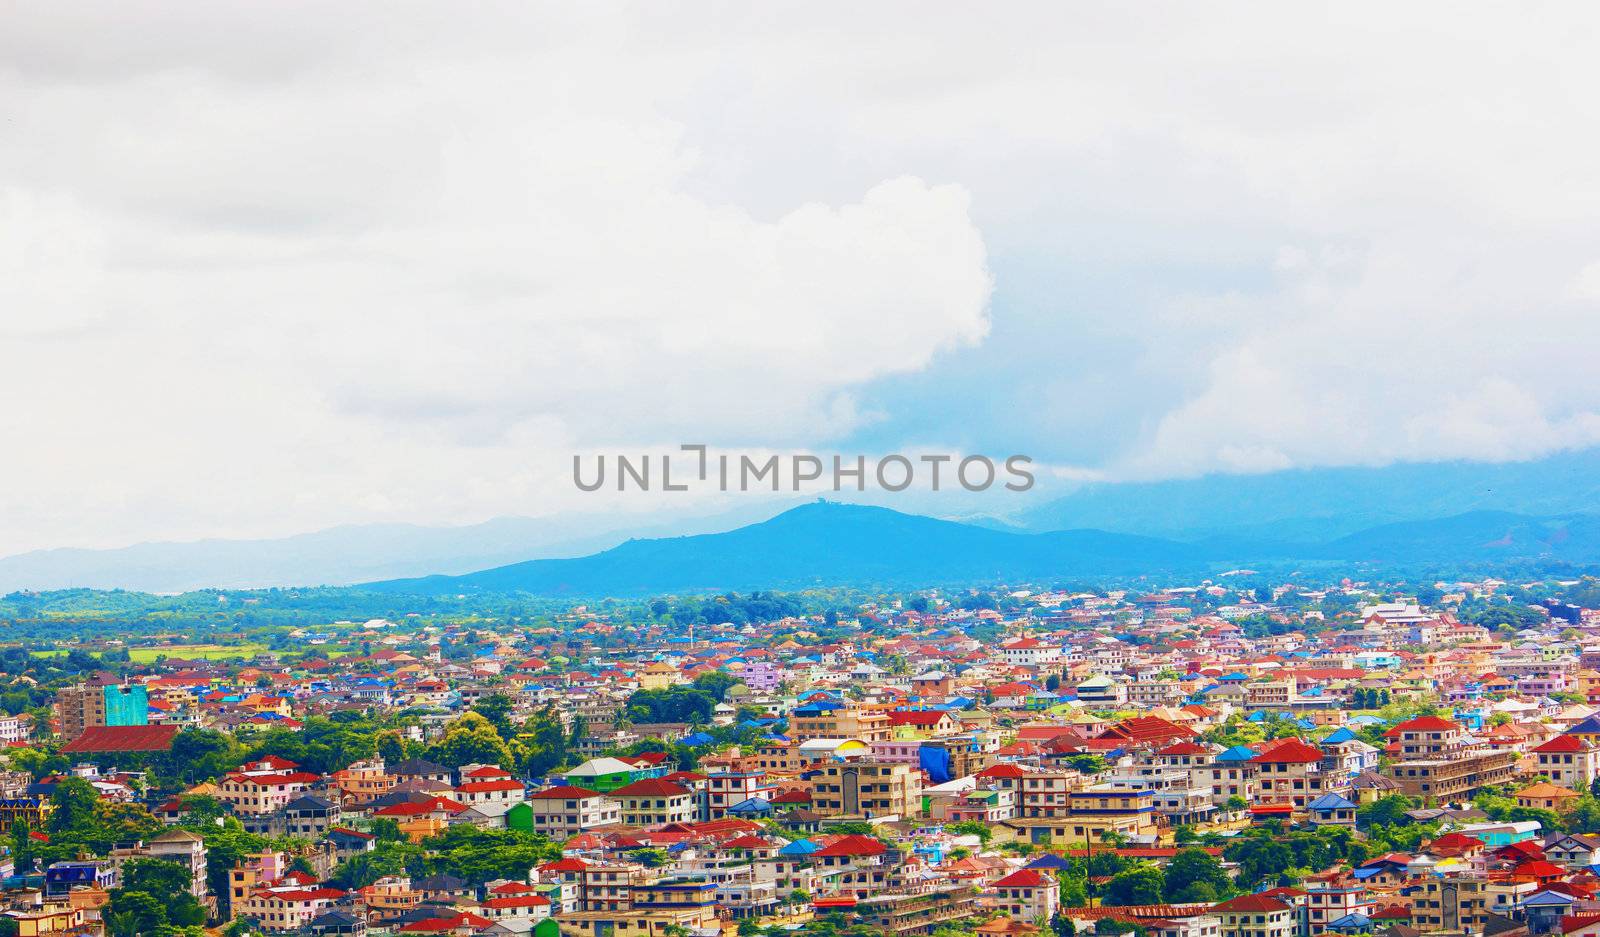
837	544
1544	506
1307	505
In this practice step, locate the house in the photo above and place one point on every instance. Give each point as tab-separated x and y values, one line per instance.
1026	894
1256	916
1546	796
656	802
1332	810
563	811
1569	761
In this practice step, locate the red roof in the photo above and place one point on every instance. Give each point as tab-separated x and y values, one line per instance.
1022	878
444	925
853	845
1185	748
650	787
563	792
1004	769
1427	724
123	739
1251	904
415	808
1563	744
484	787
1293	752
917	717
517	901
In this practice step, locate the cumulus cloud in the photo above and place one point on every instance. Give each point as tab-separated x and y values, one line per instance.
262	301
263	270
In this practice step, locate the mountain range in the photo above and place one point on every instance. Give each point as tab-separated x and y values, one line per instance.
1421	512
830	544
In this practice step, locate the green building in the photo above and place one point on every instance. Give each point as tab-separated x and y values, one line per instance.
127	705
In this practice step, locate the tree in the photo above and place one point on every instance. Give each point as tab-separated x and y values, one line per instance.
163	880
971	828
1259	858
1062	926
472	739
1192	868
1142	884
1387	810
74	801
134	913
1584	815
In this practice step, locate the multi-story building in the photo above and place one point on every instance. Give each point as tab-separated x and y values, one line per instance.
1437	760
1024	895
655	802
560	812
917	912
1330	897
1568	761
833	719
1291	772
724	789
100	704
1256	916
872	789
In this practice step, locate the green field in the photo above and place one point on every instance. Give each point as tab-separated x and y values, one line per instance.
145	655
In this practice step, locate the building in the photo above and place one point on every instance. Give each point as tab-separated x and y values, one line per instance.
1256	916
1438	761
1024	895
1569	761
563	811
100	704
656	802
872	789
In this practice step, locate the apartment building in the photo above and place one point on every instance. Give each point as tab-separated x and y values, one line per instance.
560	812
833	719
1256	916
655	802
1569	761
872	789
1438	760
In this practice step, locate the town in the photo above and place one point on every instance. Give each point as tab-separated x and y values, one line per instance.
1227	758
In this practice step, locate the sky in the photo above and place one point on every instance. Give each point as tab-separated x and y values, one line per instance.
266	269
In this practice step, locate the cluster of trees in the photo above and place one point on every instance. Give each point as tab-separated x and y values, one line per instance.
1266	852
154	899
694	703
469	852
730	608
1370	697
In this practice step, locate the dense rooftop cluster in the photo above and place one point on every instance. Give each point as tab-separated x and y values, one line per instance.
1201	761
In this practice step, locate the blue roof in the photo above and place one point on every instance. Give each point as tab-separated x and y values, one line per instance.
1341	734
698	738
1330	802
800	847
1049	861
1353	921
1236	753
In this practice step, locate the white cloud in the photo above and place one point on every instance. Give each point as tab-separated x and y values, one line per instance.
270	269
